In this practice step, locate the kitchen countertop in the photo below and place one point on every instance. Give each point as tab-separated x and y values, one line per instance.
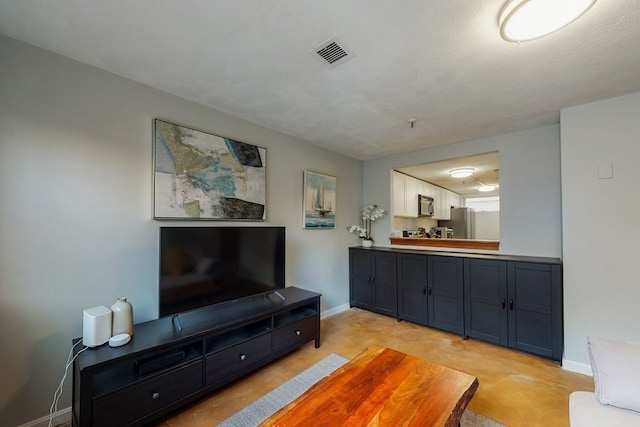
493	245
477	255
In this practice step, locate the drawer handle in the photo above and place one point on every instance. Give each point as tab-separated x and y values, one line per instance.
155	395
298	332
243	357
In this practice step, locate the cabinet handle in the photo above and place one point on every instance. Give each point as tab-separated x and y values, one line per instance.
511	304
424	290
298	332
243	357
155	395
370	280
429	290
503	302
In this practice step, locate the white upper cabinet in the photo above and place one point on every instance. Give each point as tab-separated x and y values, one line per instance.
399	208
425	189
443	201
440	204
455	199
405	197
411	197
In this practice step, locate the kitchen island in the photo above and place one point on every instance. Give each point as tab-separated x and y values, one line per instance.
492	245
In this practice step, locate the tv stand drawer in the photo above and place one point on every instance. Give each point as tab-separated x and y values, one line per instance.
295	333
227	362
132	403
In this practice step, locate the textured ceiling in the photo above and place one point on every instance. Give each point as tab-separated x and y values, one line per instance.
485	167
440	62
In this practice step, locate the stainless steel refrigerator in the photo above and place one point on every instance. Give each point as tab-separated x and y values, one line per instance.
462	222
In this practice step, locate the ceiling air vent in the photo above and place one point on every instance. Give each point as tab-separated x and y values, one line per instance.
333	53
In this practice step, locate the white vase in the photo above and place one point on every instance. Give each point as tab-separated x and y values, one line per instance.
122	322
367	243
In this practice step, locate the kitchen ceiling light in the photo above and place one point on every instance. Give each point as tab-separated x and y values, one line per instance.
486	188
461	172
523	20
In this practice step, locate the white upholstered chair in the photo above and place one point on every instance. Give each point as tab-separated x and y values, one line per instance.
616	374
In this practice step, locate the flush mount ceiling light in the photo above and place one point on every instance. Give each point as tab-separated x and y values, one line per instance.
523	20
461	172
486	188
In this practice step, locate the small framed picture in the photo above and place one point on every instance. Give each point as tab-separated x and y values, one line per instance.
319	209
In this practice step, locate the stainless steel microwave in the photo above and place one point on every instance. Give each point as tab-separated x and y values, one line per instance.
425	205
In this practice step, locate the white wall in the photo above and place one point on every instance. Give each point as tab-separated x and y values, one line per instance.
487	225
75	211
601	225
530	199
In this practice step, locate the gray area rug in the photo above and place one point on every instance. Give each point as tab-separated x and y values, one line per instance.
270	403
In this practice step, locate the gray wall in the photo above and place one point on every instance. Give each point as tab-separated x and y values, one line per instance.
530	199
75	216
600	224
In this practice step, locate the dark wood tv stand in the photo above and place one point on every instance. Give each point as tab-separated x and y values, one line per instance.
164	368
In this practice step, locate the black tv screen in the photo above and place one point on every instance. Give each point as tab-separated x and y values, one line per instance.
200	266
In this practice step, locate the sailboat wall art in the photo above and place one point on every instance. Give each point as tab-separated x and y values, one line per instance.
319	200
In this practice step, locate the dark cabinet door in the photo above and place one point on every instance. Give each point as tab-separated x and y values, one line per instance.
430	291
360	289
485	288
445	293
535	304
515	304
372	281
384	296
412	288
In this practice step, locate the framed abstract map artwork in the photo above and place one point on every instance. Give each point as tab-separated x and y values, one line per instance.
198	175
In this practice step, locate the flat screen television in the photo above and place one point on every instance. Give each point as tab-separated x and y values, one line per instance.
200	266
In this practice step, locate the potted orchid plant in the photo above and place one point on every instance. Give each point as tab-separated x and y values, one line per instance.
369	214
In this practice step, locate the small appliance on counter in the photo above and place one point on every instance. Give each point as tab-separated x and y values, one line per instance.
440	233
413	233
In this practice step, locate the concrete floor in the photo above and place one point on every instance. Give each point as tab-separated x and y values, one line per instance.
516	389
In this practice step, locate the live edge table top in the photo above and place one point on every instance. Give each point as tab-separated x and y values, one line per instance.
382	387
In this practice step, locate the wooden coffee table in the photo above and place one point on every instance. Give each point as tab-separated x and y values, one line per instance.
382	387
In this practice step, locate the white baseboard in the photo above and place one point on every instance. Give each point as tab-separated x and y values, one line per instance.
335	310
581	368
63	416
